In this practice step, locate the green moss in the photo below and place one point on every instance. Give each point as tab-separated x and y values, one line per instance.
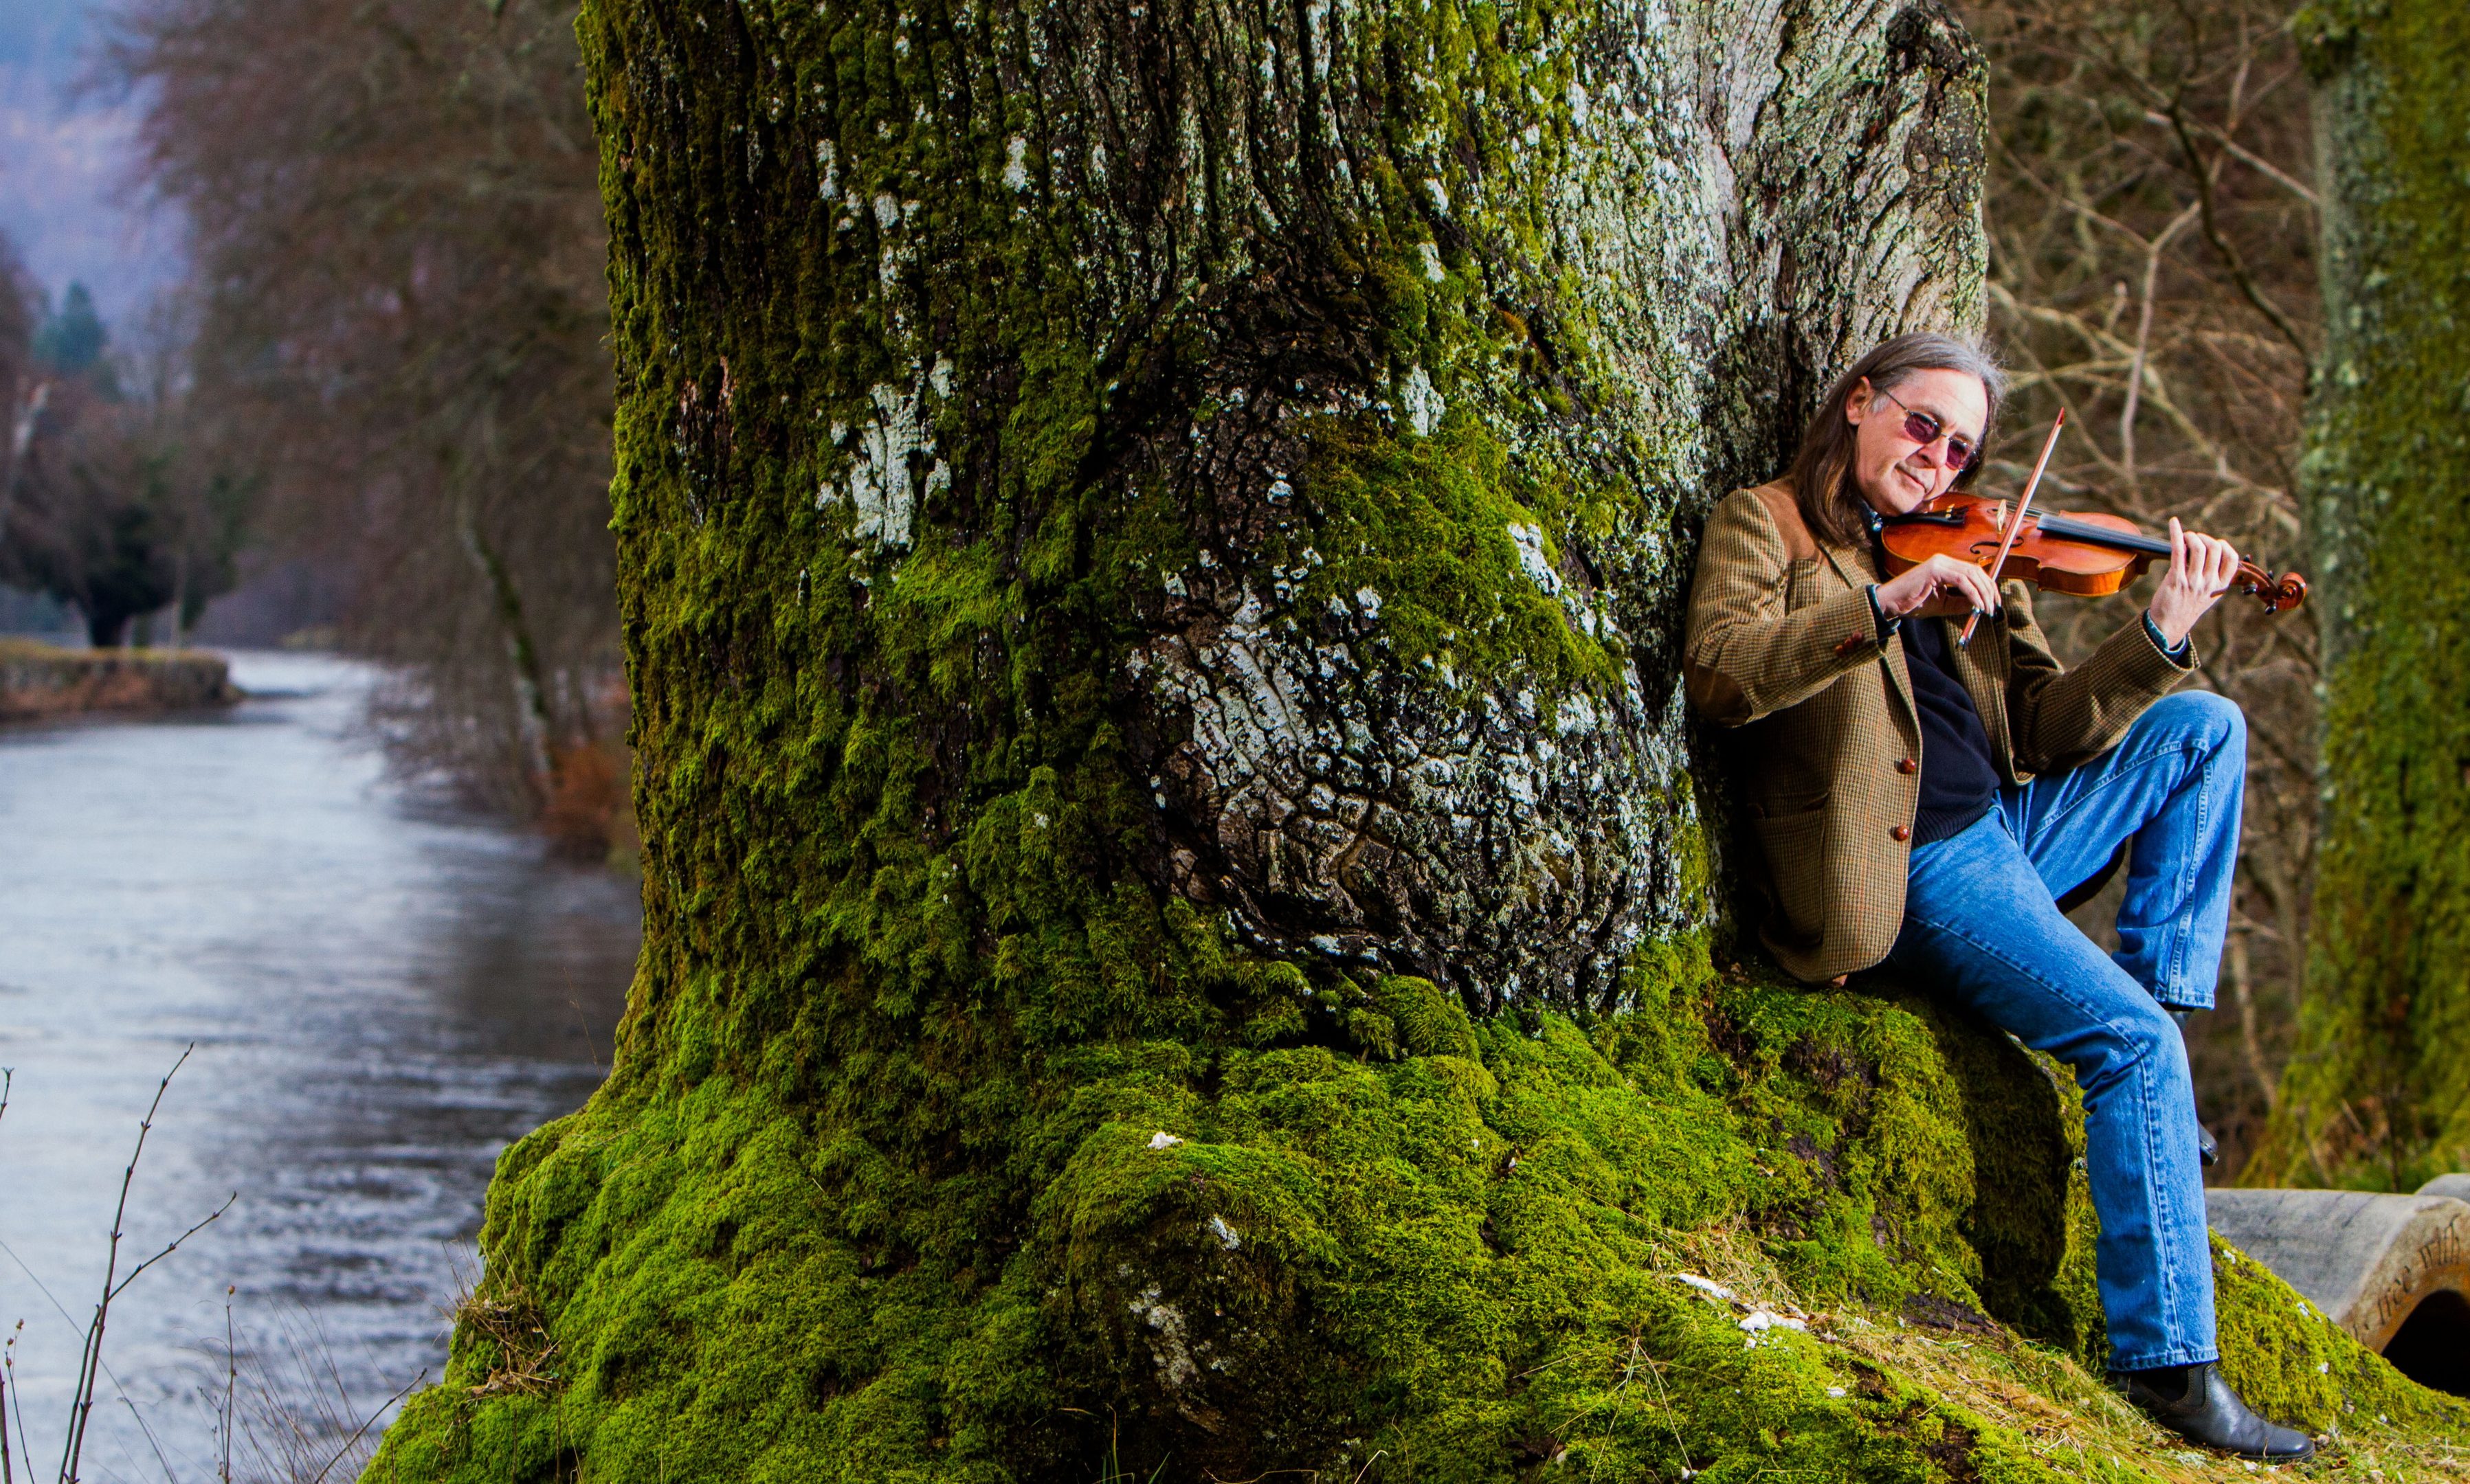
2378	1093
2284	1355
1427	526
1477	1226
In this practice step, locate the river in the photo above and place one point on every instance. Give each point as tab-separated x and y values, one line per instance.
382	993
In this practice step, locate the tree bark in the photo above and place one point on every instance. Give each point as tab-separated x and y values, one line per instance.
1287	426
2377	1092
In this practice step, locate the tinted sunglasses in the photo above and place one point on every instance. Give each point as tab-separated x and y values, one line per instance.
1962	453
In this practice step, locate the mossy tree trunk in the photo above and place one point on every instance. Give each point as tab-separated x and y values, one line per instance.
1150	539
2378	1092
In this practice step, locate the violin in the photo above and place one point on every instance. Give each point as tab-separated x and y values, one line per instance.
2090	555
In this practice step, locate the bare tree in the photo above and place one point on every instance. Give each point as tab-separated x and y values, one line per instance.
2152	222
22	391
399	241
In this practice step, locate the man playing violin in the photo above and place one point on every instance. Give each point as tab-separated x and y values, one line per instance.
1922	805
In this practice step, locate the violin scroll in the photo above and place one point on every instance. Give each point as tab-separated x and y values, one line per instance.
2275	593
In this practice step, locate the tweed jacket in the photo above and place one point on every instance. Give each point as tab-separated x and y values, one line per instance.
1783	642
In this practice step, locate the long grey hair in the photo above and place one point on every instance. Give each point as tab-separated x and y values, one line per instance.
1822	472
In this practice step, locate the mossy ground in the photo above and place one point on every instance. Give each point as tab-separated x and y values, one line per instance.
1380	1242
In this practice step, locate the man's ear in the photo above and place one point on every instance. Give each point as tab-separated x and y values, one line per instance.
1856	403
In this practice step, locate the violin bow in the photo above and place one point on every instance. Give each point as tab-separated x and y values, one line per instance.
2016	527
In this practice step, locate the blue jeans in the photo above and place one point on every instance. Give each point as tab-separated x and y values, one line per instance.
1981	925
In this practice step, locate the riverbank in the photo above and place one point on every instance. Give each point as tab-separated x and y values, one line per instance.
39	679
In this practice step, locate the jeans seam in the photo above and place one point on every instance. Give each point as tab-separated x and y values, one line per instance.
2189	862
2162	1209
2180	932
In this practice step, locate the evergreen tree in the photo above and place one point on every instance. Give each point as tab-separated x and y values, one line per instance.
72	341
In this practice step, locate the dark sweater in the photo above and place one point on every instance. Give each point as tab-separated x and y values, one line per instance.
1958	776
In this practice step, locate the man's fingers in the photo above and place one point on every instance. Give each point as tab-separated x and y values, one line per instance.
2215	570
1970	584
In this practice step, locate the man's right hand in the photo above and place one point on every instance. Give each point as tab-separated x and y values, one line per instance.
1939	587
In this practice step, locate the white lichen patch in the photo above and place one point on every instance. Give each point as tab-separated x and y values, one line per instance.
1227	1237
828	163
1422	405
1528	540
1432	271
1168	1346
1016	174
878	483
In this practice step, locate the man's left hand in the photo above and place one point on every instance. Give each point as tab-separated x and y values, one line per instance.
2202	569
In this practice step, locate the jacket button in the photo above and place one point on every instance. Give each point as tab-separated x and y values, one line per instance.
1902	832
1908	765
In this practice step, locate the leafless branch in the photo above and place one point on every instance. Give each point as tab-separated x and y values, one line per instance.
2203	173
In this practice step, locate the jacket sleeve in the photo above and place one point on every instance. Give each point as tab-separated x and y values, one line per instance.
1743	654
2062	715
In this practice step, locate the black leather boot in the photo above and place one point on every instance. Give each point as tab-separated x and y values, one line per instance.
2203	1408
2208	1149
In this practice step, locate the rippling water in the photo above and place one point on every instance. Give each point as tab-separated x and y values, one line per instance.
381	996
